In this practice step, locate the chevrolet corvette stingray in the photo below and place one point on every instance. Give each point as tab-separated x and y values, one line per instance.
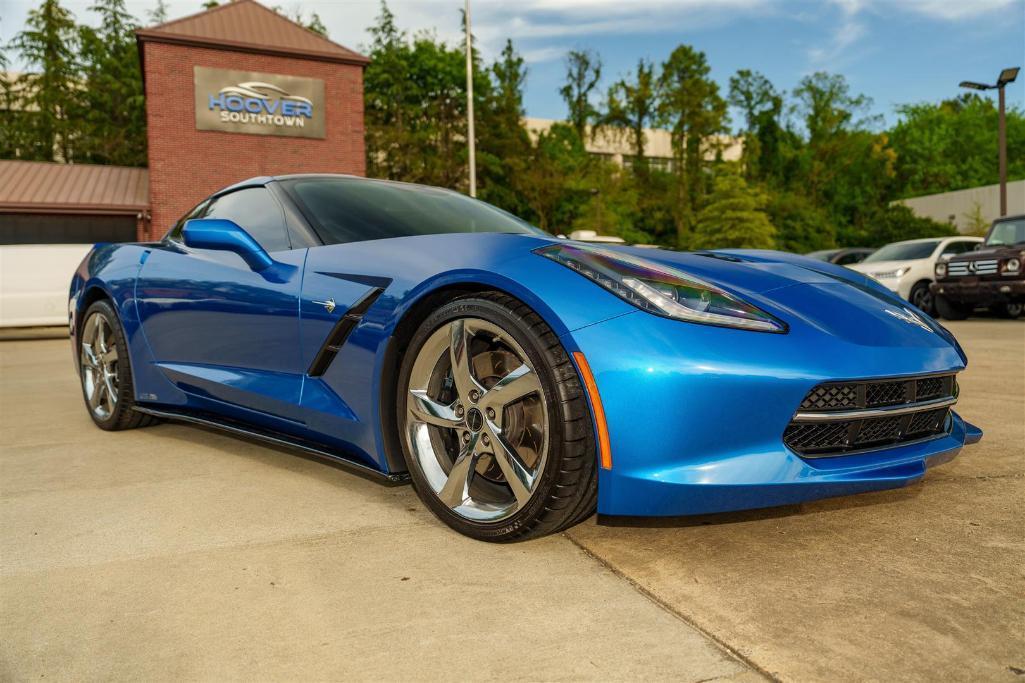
519	381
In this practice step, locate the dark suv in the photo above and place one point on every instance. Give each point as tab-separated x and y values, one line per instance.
991	276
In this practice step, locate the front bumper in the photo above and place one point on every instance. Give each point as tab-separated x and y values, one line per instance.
981	292
696	415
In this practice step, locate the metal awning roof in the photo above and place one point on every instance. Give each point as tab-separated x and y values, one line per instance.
45	187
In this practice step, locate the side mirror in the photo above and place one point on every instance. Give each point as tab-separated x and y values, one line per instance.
978	245
224	235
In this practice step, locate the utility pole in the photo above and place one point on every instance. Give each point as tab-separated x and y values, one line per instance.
1002	143
1006	76
470	139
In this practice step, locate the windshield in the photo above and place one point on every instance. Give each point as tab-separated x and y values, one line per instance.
354	210
903	251
1007	233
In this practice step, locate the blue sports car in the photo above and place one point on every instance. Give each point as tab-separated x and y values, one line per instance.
517	380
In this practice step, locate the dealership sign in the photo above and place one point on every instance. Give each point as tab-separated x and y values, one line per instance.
258	103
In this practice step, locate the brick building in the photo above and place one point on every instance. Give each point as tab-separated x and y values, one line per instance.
232	92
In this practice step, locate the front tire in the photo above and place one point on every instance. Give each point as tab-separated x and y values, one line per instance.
950	310
922	298
493	421
1009	310
105	371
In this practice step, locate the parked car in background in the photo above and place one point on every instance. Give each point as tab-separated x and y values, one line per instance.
906	268
842	257
34	282
991	276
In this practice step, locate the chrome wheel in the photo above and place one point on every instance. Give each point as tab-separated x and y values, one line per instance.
476	420
99	363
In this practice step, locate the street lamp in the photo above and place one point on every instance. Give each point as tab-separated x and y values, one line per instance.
1006	76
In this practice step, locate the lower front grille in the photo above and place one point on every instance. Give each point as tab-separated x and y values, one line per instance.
838	418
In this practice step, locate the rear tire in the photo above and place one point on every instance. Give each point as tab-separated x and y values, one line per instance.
950	310
105	371
496	466
1009	310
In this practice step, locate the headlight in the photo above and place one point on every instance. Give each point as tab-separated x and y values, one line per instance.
891	274
660	289
941	269
1011	266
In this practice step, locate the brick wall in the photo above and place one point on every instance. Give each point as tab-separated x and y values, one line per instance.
186	165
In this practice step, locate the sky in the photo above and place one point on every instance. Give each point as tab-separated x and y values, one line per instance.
894	51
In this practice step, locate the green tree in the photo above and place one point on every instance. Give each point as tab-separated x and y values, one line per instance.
691	107
764	136
111	108
415	106
298	15
801	225
952	145
734	217
897	222
502	141
157	14
632	106
583	73
49	92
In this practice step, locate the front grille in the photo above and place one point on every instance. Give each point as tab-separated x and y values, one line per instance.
836	418
885	394
831	397
979	267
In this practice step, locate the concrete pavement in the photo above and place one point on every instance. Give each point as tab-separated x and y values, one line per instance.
175	552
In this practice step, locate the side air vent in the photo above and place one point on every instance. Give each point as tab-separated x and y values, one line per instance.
341	331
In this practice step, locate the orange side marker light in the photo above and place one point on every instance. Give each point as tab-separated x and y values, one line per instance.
604	443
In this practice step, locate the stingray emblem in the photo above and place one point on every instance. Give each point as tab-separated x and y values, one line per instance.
328	305
910	317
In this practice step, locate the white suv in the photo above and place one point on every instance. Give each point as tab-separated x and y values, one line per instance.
906	268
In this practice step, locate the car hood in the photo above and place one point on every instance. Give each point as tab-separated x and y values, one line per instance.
882	266
813	295
751	271
1004	251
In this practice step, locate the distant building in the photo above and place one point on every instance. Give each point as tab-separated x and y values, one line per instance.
615	145
964	208
232	92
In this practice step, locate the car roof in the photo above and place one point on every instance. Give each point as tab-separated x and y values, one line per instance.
938	239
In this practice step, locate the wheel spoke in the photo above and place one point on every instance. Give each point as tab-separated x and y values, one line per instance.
517	475
430	411
519	383
111	392
101	335
457	486
459	350
109	356
97	392
89	356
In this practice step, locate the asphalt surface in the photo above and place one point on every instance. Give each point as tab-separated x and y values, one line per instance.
176	552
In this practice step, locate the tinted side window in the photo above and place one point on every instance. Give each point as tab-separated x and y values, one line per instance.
849	258
958	247
176	231
255	210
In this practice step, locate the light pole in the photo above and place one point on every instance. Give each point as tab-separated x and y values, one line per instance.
469	105
1006	76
